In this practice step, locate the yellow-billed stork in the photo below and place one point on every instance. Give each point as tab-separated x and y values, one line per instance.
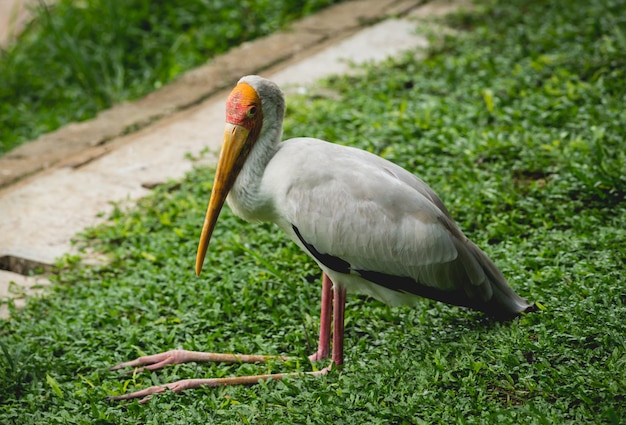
370	225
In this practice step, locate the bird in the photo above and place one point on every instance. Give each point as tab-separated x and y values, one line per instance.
371	226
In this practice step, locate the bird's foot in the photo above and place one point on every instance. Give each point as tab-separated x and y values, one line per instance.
320	354
187	384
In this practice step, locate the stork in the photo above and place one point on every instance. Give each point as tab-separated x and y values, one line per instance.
371	226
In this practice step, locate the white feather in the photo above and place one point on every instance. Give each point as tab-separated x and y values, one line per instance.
364	210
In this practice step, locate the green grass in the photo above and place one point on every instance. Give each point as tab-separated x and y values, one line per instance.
81	57
518	124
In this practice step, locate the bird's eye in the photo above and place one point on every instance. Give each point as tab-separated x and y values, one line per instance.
251	111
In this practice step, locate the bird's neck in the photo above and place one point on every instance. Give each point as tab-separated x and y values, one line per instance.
246	198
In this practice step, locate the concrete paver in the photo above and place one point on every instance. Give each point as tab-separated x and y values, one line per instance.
375	43
17	287
41	214
14	16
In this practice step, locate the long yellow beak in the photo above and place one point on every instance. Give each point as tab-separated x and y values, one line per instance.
235	149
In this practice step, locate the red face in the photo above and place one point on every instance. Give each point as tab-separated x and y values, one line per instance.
243	106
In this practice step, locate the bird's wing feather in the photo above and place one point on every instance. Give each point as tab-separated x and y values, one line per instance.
370	213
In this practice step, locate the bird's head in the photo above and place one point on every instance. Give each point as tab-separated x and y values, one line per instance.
244	120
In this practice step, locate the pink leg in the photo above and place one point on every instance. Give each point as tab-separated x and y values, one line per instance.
323	350
188	384
339	316
158	361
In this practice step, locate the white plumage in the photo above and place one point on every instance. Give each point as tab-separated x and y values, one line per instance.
364	210
371	226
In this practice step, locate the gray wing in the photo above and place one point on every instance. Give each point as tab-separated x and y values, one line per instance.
371	214
380	221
